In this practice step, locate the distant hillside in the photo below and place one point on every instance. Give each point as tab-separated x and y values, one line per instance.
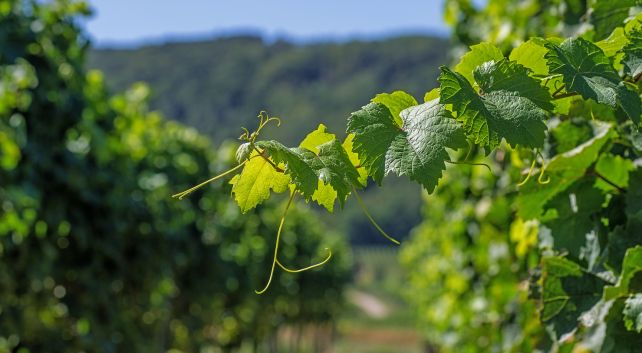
220	85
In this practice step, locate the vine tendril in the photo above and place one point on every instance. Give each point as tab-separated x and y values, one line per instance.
374	223
541	172
327	258
530	172
276	246
182	194
471	163
264	119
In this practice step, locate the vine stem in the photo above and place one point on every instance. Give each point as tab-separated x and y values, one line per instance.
276	246
558	90
268	160
618	188
374	223
564	95
181	195
472	163
306	268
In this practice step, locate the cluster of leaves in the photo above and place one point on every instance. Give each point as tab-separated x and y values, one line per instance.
571	106
94	256
573	230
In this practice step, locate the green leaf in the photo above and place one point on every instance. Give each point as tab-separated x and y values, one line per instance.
432	94
614	43
607	15
506	75
243	152
632	59
316	138
301	174
333	167
505	109
354	158
586	70
417	150
568	292
374	130
570	219
615	169
395	102
631	271
252	186
478	54
563	170
633	313
530	54
324	195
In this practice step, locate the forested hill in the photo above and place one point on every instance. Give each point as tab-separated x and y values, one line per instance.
220	85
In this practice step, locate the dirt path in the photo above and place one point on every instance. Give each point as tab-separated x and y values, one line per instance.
371	305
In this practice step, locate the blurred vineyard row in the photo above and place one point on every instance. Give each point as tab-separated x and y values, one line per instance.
94	255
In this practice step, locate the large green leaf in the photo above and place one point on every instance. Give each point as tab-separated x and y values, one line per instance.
570	218
395	102
478	54
567	292
418	149
530	54
333	167
324	195
301	174
509	105
253	185
607	15
563	170
585	69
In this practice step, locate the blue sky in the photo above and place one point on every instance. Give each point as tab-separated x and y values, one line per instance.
128	22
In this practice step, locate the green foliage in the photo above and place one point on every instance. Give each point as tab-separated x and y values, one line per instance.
416	148
507	106
94	256
573	238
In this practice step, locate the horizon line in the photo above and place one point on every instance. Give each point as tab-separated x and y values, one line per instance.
267	37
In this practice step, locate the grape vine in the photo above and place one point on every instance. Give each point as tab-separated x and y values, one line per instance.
573	105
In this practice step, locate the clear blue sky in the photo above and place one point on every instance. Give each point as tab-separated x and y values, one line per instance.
137	21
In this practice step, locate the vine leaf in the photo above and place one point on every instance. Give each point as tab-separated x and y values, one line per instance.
607	15
568	292
563	170
253	185
354	158
569	216
478	54
301	174
585	69
633	313
511	104
506	75
316	138
395	102
631	269
324	195
334	168
418	149
633	53
530	54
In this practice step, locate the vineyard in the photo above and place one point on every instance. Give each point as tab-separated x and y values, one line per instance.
528	152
